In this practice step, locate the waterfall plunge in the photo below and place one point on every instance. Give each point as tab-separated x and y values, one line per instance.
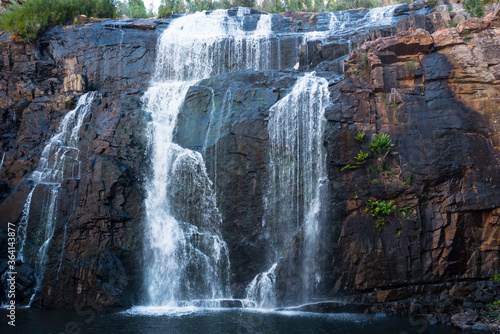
296	173
186	257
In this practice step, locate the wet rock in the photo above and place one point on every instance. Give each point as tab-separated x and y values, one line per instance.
464	320
75	83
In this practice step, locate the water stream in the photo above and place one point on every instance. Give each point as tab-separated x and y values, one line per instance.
187	259
186	256
59	162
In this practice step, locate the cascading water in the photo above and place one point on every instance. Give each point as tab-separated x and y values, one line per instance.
296	173
59	162
262	289
297	181
187	259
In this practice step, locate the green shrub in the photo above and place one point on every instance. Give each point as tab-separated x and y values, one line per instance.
410	66
492	311
380	211
380	144
361	157
351	4
360	136
271	6
496	278
362	66
475	8
432	3
168	7
36	15
137	9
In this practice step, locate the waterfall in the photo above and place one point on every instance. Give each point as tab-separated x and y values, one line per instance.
186	257
296	173
262	289
59	162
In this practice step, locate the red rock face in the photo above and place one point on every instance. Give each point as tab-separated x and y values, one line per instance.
437	95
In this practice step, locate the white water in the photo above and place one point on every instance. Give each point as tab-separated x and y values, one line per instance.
296	171
23	225
262	289
186	257
297	181
59	162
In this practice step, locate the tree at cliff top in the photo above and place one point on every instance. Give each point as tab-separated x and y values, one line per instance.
169	7
133	9
26	20
476	7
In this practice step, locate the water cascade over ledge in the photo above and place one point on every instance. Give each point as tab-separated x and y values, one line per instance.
186	257
59	162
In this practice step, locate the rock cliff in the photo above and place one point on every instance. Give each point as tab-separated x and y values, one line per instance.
435	92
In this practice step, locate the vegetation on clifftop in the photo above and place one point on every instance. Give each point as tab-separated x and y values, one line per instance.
26	20
169	7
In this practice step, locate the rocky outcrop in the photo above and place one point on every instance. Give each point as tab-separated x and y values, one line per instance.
426	91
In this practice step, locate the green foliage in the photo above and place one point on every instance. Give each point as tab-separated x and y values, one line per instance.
495	278
360	136
407	210
199	5
36	15
410	66
362	66
452	24
380	211
399	234
137	9
475	8
69	103
432	3
242	3
380	144
304	5
408	180
492	311
272	6
351	4
361	157
168	7
350	167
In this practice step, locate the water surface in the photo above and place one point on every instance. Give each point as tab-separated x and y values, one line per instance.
195	320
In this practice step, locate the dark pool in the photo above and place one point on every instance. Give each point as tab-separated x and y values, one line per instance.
196	320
